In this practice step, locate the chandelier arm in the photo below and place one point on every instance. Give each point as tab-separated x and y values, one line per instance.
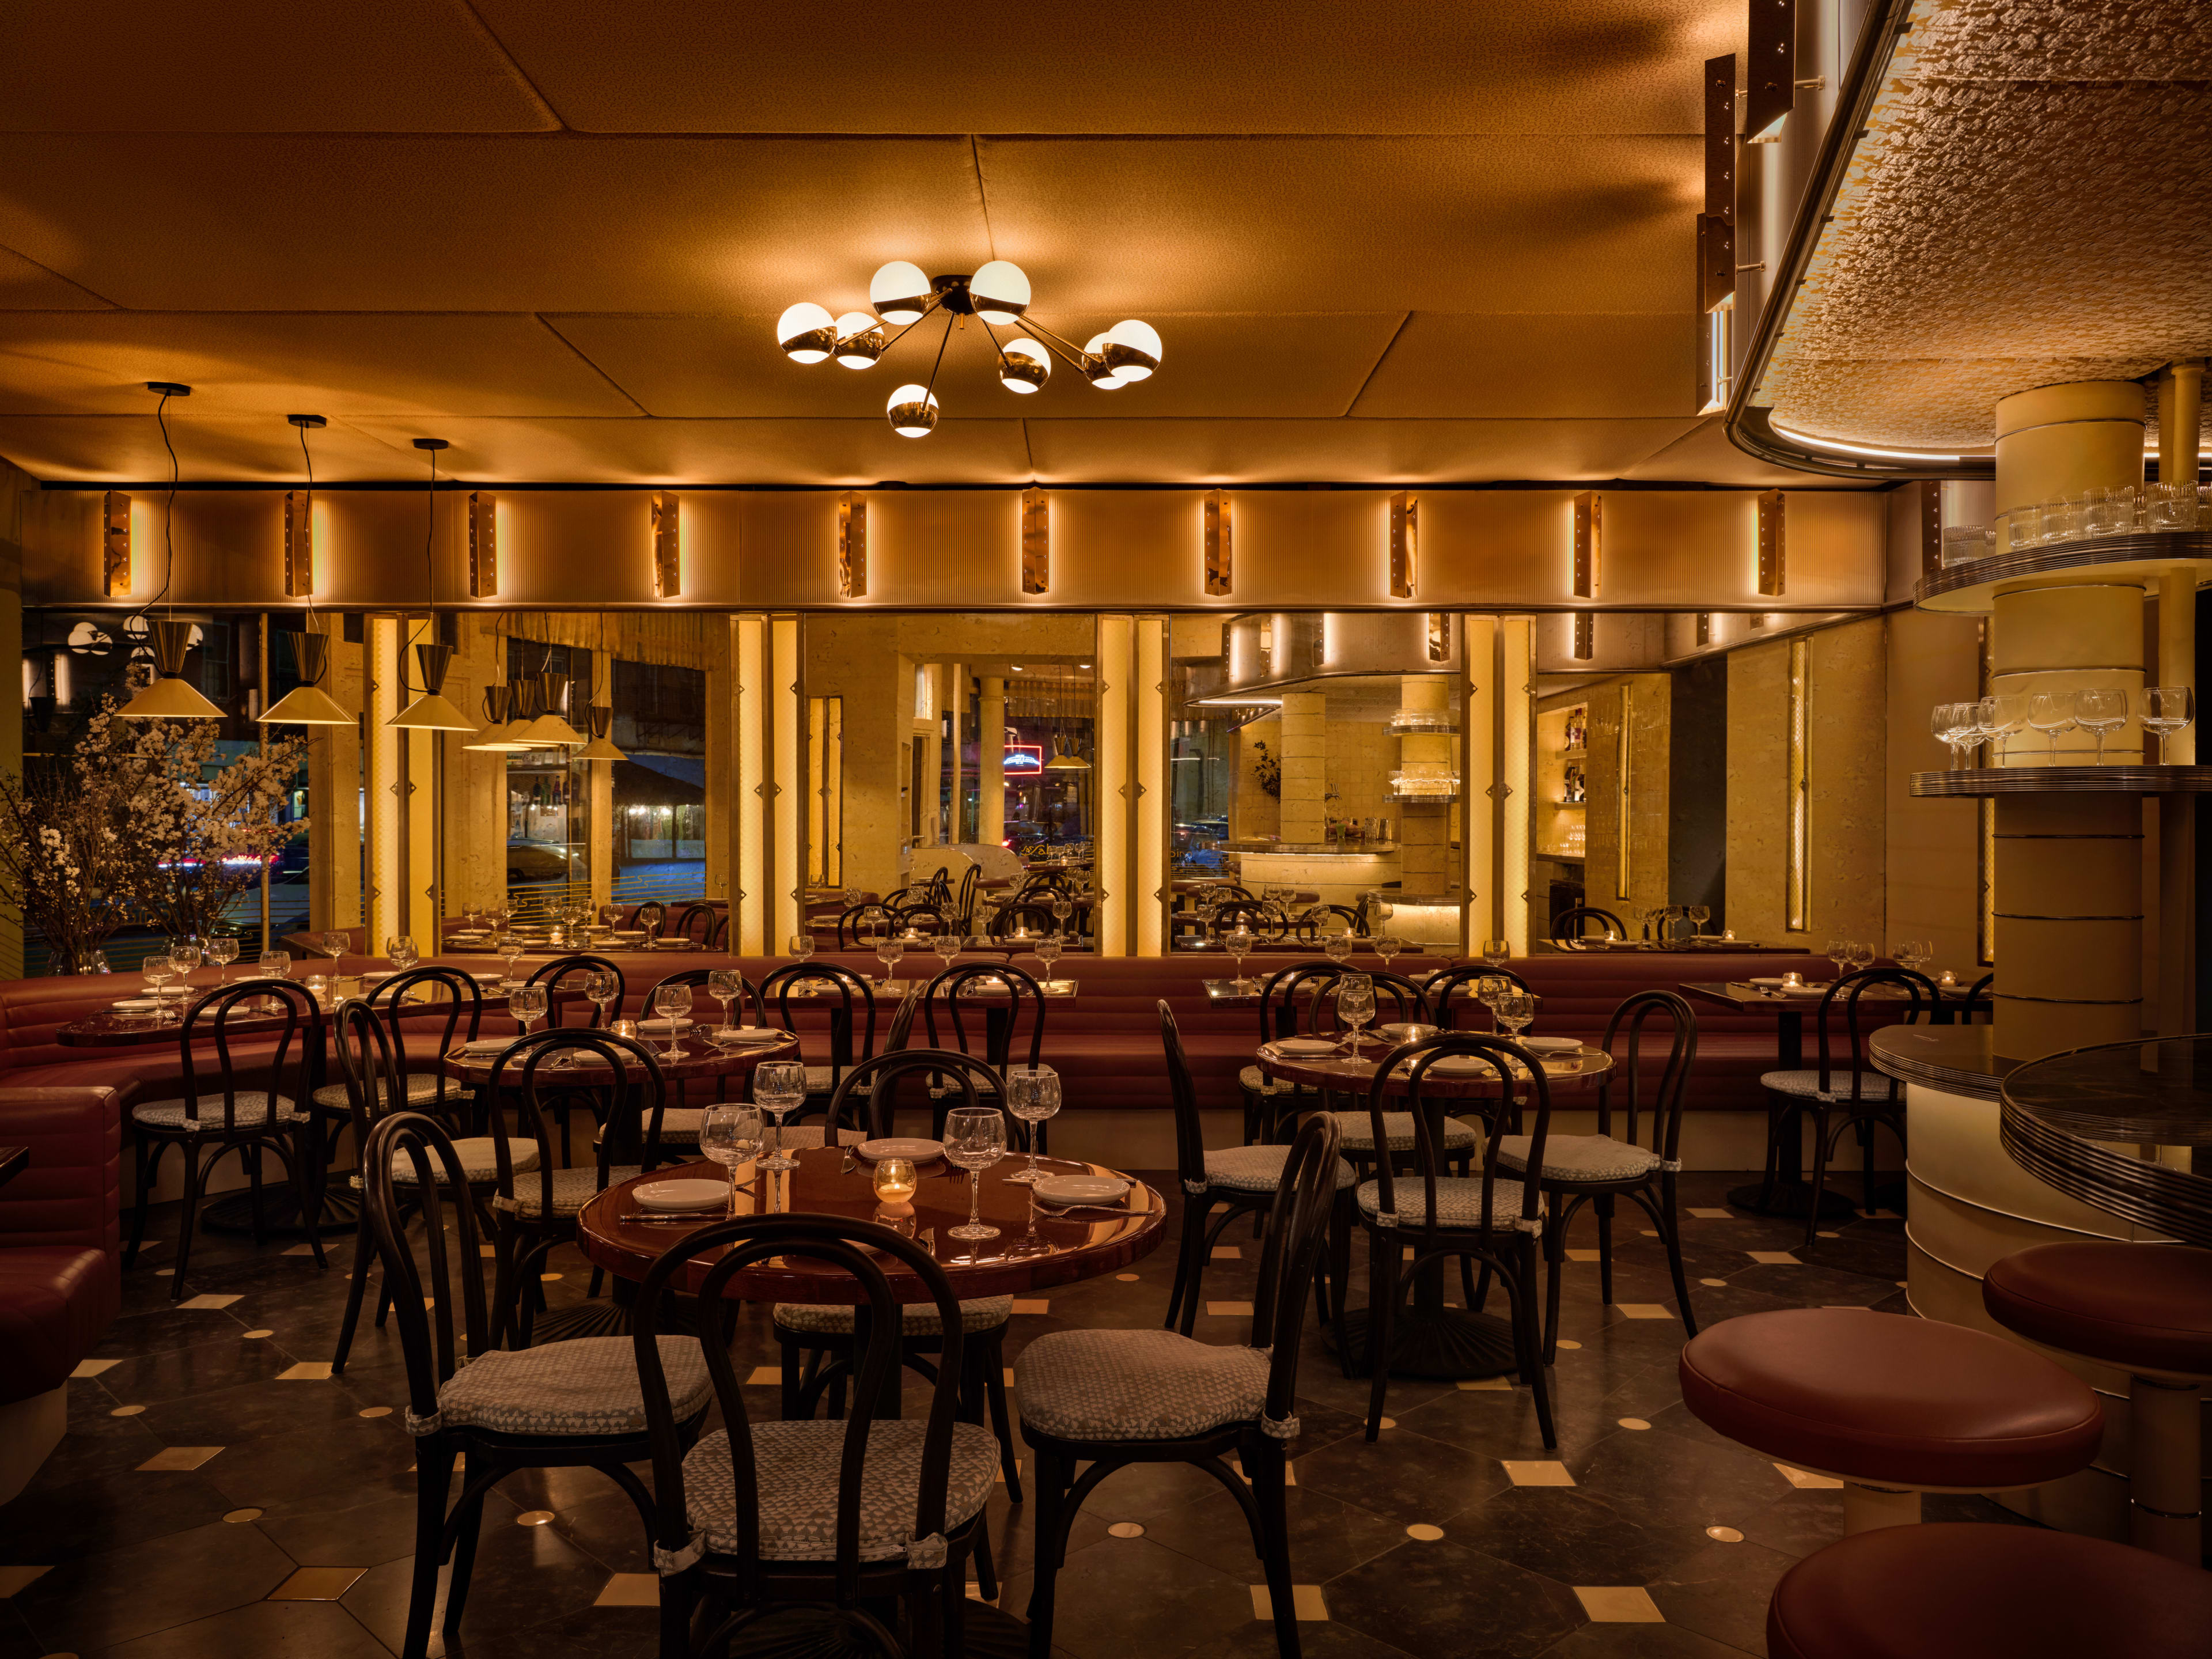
890	340
939	363
993	335
1075	355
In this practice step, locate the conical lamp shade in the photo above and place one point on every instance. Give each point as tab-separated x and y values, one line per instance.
169	698
552	727
431	712
308	703
525	706
601	747
498	736
550	731
1068	763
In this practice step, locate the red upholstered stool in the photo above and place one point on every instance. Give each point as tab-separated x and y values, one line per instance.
1890	1405
2146	1309
1987	1591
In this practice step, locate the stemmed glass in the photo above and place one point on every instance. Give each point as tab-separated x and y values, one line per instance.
1488	989
1033	1095
1857	957
672	1003
334	945
802	946
975	1139
1238	944
2101	712
1910	953
2166	709
1838	951
1048	953
602	987
1062	907
1699	915
159	971
401	952
1337	947
2052	712
947	946
1496	952
273	965
1514	1011
725	985
2000	717
888	951
730	1134
221	950
1950	722
527	1003
780	1086
510	952
1388	946
185	957
1355	1006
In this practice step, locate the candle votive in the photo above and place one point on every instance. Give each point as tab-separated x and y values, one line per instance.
896	1180
1793	978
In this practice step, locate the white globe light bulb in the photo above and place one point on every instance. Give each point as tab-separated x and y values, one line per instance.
860	339
1026	367
806	332
1104	374
1133	348
913	411
1000	292
899	292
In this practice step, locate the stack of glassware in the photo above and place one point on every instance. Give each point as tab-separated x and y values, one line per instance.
2123	510
2166	709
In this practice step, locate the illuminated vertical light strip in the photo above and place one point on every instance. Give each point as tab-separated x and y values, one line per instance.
1152	793
1113	805
786	885
1795	898
818	792
418	912
749	802
1624	873
384	903
1516	673
833	800
1986	810
1478	839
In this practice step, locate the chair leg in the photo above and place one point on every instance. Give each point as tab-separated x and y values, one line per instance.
1555	1262
464	1561
1527	1337
194	1175
356	1285
1190	1265
987	1575
679	1593
1819	1176
148	1153
1049	1475
991	1357
788	1373
1604	1207
311	1208
1780	1114
250	1157
433	1471
1383	1279
1263	1467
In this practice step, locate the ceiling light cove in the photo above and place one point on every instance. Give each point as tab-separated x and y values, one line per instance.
997	297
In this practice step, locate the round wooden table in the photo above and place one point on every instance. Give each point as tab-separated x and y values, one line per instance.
697	1058
1428	1340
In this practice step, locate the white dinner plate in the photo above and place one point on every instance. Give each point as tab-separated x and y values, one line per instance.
678	1195
1543	1045
748	1034
136	1005
489	1045
1291	1047
1080	1190
916	1151
662	1025
1775	980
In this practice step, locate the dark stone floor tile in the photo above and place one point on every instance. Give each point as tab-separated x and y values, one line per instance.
253	1411
1328	1535
589	1633
1876	1256
562	1489
164	1327
62	1523
1641	1642
1794	1524
99	1600
17	1641
1661	1480
1819	1287
1438	1599
1013	1533
1403	1476
353	1526
1721	1592
525	1577
1125	1596
222	1362
609	1530
1502	1423
1316	1640
1143	1491
1569	1537
282	1469
261	1630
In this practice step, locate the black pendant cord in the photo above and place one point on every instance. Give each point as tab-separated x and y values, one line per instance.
308	456
429	565
168	514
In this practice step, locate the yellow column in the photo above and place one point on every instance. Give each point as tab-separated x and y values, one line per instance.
723	708
336	831
1305	766
788	889
1480	847
1113	785
1149	857
2068	876
991	762
748	803
385	829
930	785
1516	676
2180	419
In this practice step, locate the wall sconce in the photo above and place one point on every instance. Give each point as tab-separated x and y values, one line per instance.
667	562
852	545
1585	646
1036	541
1439	636
1220	570
116	580
483	544
1773	544
1590	544
1704	628
1773	91
299	545
1404	545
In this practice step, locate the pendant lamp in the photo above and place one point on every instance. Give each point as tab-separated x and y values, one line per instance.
431	712
308	703
601	747
1061	761
497	738
525	703
550	729
169	698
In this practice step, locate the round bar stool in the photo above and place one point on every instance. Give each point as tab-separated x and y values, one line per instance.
2146	1309
1980	1590
1892	1406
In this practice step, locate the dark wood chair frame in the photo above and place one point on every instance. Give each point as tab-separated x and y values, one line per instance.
845	987
681	928
860	922
1264	919
949	988
1575	940
553	976
1451	985
1264	1115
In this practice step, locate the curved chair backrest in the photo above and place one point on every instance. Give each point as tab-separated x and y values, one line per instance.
1280	1015
451	994
863	1249
1318	920
556	974
1025	914
375	1086
631	1086
1495	1058
1048	885
949	988
1265	920
963	900
1458	985
1664	1108
694	921
873	1085
696	979
1297	1221
652	915
1977	1001
845	988
299	1045
1848	989
862	921
1569	933
1190	1134
718	936
1408	1004
450	1259
926	916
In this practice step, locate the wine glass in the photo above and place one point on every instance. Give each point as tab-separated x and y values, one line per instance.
726	985
602	985
95	962
1337	947
672	1003
851	895
221	950
1944	721
273	965
975	1139
780	1086
527	1003
947	946
1699	915
2167	710
185	957
1837	952
1488	989
1858	956
2052	712
802	946
334	945
2101	712
1514	1011
888	951
1496	952
1388	946
730	1134
1238	944
2001	717
1910	953
1033	1095
1355	1006
159	970
401	952
1062	907
510	952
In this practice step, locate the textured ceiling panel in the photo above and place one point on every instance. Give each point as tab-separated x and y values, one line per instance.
259	66
114	448
1214	365
2030	203
1382	452
1566	66
1545	367
1704	455
98	362
25	286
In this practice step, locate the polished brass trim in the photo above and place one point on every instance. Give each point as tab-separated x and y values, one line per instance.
1404	545
853	545
1996	995
116	578
1036	541
299	545
2184	546
1970	782
1798	855
1773	543
1220	547
1590	544
2029	915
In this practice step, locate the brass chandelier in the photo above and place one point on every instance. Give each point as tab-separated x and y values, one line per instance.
997	296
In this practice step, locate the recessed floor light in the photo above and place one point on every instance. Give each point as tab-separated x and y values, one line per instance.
1724	1534
1125	1529
534	1518
1634	1422
1422	1532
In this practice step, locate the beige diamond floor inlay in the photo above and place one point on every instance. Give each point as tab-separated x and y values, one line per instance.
195	1303
307	1370
1641	1311
1583	1255
630	1590
1538	1474
317	1584
179	1457
92	1367
1710	1214
1306	1604
1228	1310
1774	1258
1806	1480
1032	1305
14	1580
1620	1604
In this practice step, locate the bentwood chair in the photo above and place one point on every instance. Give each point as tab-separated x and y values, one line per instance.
1601	1169
1109	1399
441	1007
850	1001
651	916
1031	917
1264	921
850	1518
1451	989
577	1404
1356	1133
1269	1103
1415	1223
216	1115
1569	930
565	974
701	917
1856	1097
861	922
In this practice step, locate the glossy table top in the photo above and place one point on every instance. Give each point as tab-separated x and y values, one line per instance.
2077	1119
1347	1075
1754	998
696	1057
1035	1248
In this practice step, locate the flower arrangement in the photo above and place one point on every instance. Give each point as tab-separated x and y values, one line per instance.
68	864
1268	769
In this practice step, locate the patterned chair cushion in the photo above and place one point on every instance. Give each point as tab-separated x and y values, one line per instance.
681	1123
920	1318
1357	1132
252	1108
819	1082
421	1088
796	1466
1137	1385
810	1134
479	1155
1254	1081
1258	1168
1459	1201
1581	1157
572	1190
587	1385
1806	1085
